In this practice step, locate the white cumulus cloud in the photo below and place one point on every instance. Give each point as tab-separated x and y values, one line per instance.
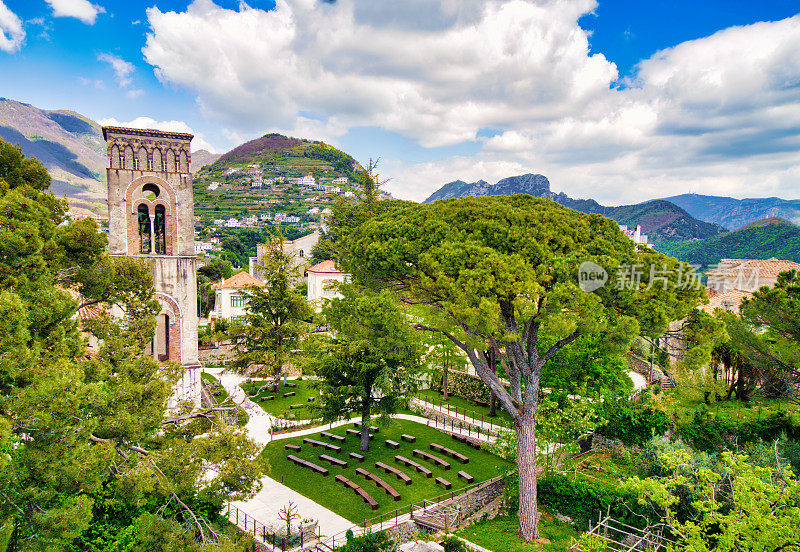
143	122
12	33
79	9
716	115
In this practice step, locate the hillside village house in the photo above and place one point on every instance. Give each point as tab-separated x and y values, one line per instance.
747	274
636	235
728	285
299	249
202	247
322	278
230	300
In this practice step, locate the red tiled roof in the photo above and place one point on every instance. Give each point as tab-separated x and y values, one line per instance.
769	268
729	301
241	280
325	267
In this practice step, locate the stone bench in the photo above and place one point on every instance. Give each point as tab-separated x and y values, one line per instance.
449	452
392	444
356	456
467	477
431	458
411	464
307	464
289	384
357	433
267	398
373	429
332	460
311	399
444	482
327	446
380	483
408	438
394	471
358	490
293	406
289	394
291	447
466	441
332	437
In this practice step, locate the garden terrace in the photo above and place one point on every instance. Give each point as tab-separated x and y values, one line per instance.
292	402
334	495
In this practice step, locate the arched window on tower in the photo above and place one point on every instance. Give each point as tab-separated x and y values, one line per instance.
161	230
128	161
116	158
144	229
169	163
144	160
184	165
158	162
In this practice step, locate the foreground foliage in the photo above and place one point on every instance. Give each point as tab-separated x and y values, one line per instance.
74	428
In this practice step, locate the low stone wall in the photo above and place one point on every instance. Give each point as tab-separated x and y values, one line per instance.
641	366
221	354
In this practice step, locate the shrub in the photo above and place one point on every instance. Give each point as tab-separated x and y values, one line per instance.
583	501
632	423
712	434
452	543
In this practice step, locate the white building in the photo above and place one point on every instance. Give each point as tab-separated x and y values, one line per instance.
636	235
233	223
307	180
230	299
213	186
232	170
322	279
313	211
340	181
219	222
299	249
202	247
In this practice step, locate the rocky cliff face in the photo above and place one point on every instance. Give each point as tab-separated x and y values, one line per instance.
736	213
660	220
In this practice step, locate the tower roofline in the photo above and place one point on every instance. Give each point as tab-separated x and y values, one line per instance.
146	132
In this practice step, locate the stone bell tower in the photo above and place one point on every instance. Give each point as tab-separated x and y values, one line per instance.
151	215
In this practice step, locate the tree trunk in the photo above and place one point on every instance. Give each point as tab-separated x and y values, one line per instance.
365	426
526	466
492	396
444	377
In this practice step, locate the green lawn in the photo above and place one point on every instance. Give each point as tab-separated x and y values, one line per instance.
500	535
280	405
465	407
335	496
684	404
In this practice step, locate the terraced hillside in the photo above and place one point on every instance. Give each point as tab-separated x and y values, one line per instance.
261	177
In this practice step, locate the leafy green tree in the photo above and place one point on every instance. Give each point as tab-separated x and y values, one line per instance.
370	362
735	506
773	315
276	315
498	273
72	426
442	353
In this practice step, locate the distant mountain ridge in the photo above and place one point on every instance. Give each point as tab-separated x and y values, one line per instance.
660	219
72	149
68	144
736	213
763	239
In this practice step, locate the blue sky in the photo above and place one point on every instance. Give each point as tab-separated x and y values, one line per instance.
617	100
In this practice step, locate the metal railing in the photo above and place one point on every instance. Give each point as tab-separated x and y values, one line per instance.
470	416
251	526
397	516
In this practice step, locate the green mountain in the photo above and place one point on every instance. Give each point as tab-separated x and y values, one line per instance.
735	213
261	177
760	240
69	145
659	219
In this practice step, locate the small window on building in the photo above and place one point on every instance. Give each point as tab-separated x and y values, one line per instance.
144	229
151	191
160	230
238	301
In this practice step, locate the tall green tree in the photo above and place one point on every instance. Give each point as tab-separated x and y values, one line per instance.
499	272
71	427
370	362
276	315
735	506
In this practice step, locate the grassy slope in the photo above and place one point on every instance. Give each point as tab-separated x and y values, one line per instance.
464	407
500	535
280	405
781	241
331	494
